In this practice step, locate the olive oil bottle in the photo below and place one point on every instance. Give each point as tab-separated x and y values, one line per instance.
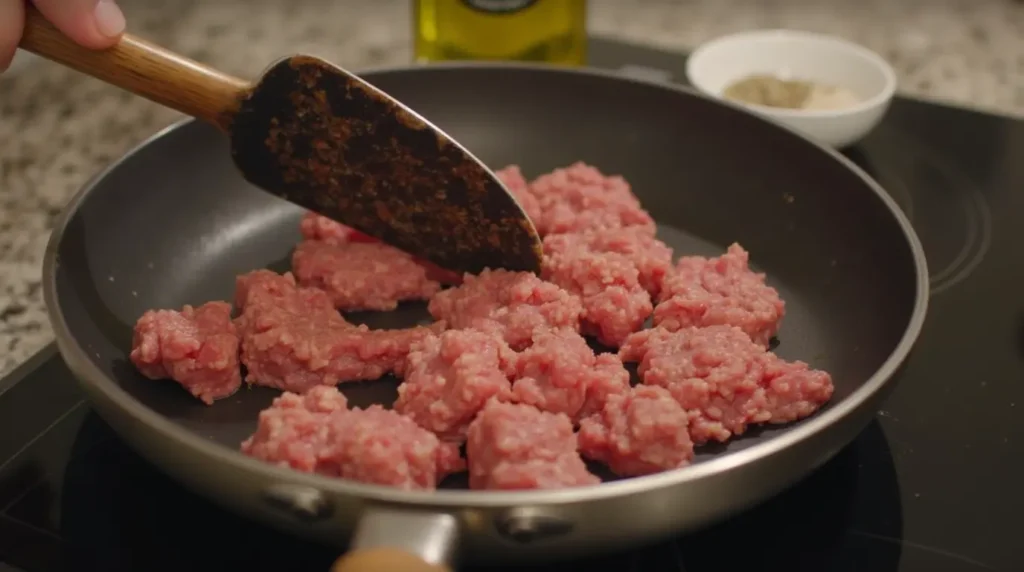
549	31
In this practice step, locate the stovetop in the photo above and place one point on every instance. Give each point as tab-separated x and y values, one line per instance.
932	484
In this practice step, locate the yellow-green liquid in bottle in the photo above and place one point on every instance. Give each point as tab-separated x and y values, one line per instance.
549	31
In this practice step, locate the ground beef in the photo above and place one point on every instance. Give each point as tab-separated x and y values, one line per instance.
375	445
639	432
651	257
294	430
720	291
513	179
724	380
515	446
512	304
362	275
293	339
317	433
451	376
317	227
266	287
513	373
559	373
197	347
580	198
608	286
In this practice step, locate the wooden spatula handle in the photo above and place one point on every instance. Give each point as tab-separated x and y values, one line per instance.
144	69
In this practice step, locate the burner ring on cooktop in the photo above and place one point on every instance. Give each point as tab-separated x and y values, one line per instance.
947	209
979	240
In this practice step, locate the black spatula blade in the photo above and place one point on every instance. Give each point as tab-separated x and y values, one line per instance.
320	137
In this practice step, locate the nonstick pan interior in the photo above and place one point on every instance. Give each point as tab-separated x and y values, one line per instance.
174	223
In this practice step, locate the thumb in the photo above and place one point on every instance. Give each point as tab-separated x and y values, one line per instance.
94	24
12	19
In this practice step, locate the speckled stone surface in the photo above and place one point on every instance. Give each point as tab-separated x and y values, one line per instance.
58	128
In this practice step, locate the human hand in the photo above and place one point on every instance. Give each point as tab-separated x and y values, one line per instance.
95	24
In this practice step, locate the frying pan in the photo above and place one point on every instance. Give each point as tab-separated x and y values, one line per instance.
172	223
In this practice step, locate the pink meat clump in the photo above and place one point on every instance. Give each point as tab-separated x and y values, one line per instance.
580	198
197	347
516	446
639	432
559	373
450	377
362	275
293	339
725	380
720	291
261	287
651	257
512	177
614	302
320	228
510	304
294	430
317	433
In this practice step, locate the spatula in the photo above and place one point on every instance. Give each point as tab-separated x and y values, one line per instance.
316	135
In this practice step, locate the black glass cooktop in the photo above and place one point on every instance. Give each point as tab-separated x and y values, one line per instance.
933	484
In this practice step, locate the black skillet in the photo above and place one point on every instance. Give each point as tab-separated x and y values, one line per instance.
174	223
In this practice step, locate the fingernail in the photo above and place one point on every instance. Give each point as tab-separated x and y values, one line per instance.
109	18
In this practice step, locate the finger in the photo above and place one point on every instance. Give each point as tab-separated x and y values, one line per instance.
12	19
92	23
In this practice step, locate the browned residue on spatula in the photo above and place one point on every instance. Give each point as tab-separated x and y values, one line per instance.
334	145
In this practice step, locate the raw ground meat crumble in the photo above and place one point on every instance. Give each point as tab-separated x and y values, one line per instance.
579	198
514	446
615	304
516	184
316	432
635	246
197	347
559	373
505	368
724	380
450	377
510	304
317	227
322	229
361	275
293	339
720	291
641	431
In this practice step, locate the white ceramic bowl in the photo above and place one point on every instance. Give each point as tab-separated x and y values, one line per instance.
790	54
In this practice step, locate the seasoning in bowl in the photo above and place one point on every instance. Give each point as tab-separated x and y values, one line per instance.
771	91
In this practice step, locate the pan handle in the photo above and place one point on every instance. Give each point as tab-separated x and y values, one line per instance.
385	559
401	541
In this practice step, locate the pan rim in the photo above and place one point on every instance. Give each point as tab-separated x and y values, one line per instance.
446	500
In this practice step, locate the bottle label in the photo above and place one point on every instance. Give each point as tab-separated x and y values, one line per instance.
499	6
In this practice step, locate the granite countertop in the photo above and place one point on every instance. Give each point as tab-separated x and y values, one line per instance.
57	128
